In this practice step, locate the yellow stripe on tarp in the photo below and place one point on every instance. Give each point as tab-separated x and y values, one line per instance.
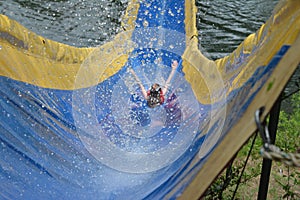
204	75
200	72
28	57
281	29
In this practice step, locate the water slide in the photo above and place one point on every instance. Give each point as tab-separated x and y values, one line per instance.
74	123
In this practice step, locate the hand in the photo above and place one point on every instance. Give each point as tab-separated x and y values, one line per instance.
131	71
174	64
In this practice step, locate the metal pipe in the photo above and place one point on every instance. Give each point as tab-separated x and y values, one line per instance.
267	164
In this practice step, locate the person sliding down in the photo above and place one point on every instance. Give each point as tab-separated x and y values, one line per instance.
155	96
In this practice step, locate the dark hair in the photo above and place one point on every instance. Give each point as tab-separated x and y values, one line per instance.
154	97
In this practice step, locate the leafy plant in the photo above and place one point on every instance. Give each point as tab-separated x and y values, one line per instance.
284	183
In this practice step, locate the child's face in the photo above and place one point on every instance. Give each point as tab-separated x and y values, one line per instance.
155	86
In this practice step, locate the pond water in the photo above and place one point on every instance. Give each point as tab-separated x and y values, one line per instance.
222	25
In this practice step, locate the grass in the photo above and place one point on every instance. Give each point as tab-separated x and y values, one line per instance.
284	180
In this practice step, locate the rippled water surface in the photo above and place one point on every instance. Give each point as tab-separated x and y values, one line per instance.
222	24
74	22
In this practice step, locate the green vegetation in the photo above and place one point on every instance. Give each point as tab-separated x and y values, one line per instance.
284	180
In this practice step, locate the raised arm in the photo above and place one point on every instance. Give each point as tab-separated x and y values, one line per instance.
144	92
174	67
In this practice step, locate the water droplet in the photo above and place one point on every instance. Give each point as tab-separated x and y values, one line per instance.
145	23
171	13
